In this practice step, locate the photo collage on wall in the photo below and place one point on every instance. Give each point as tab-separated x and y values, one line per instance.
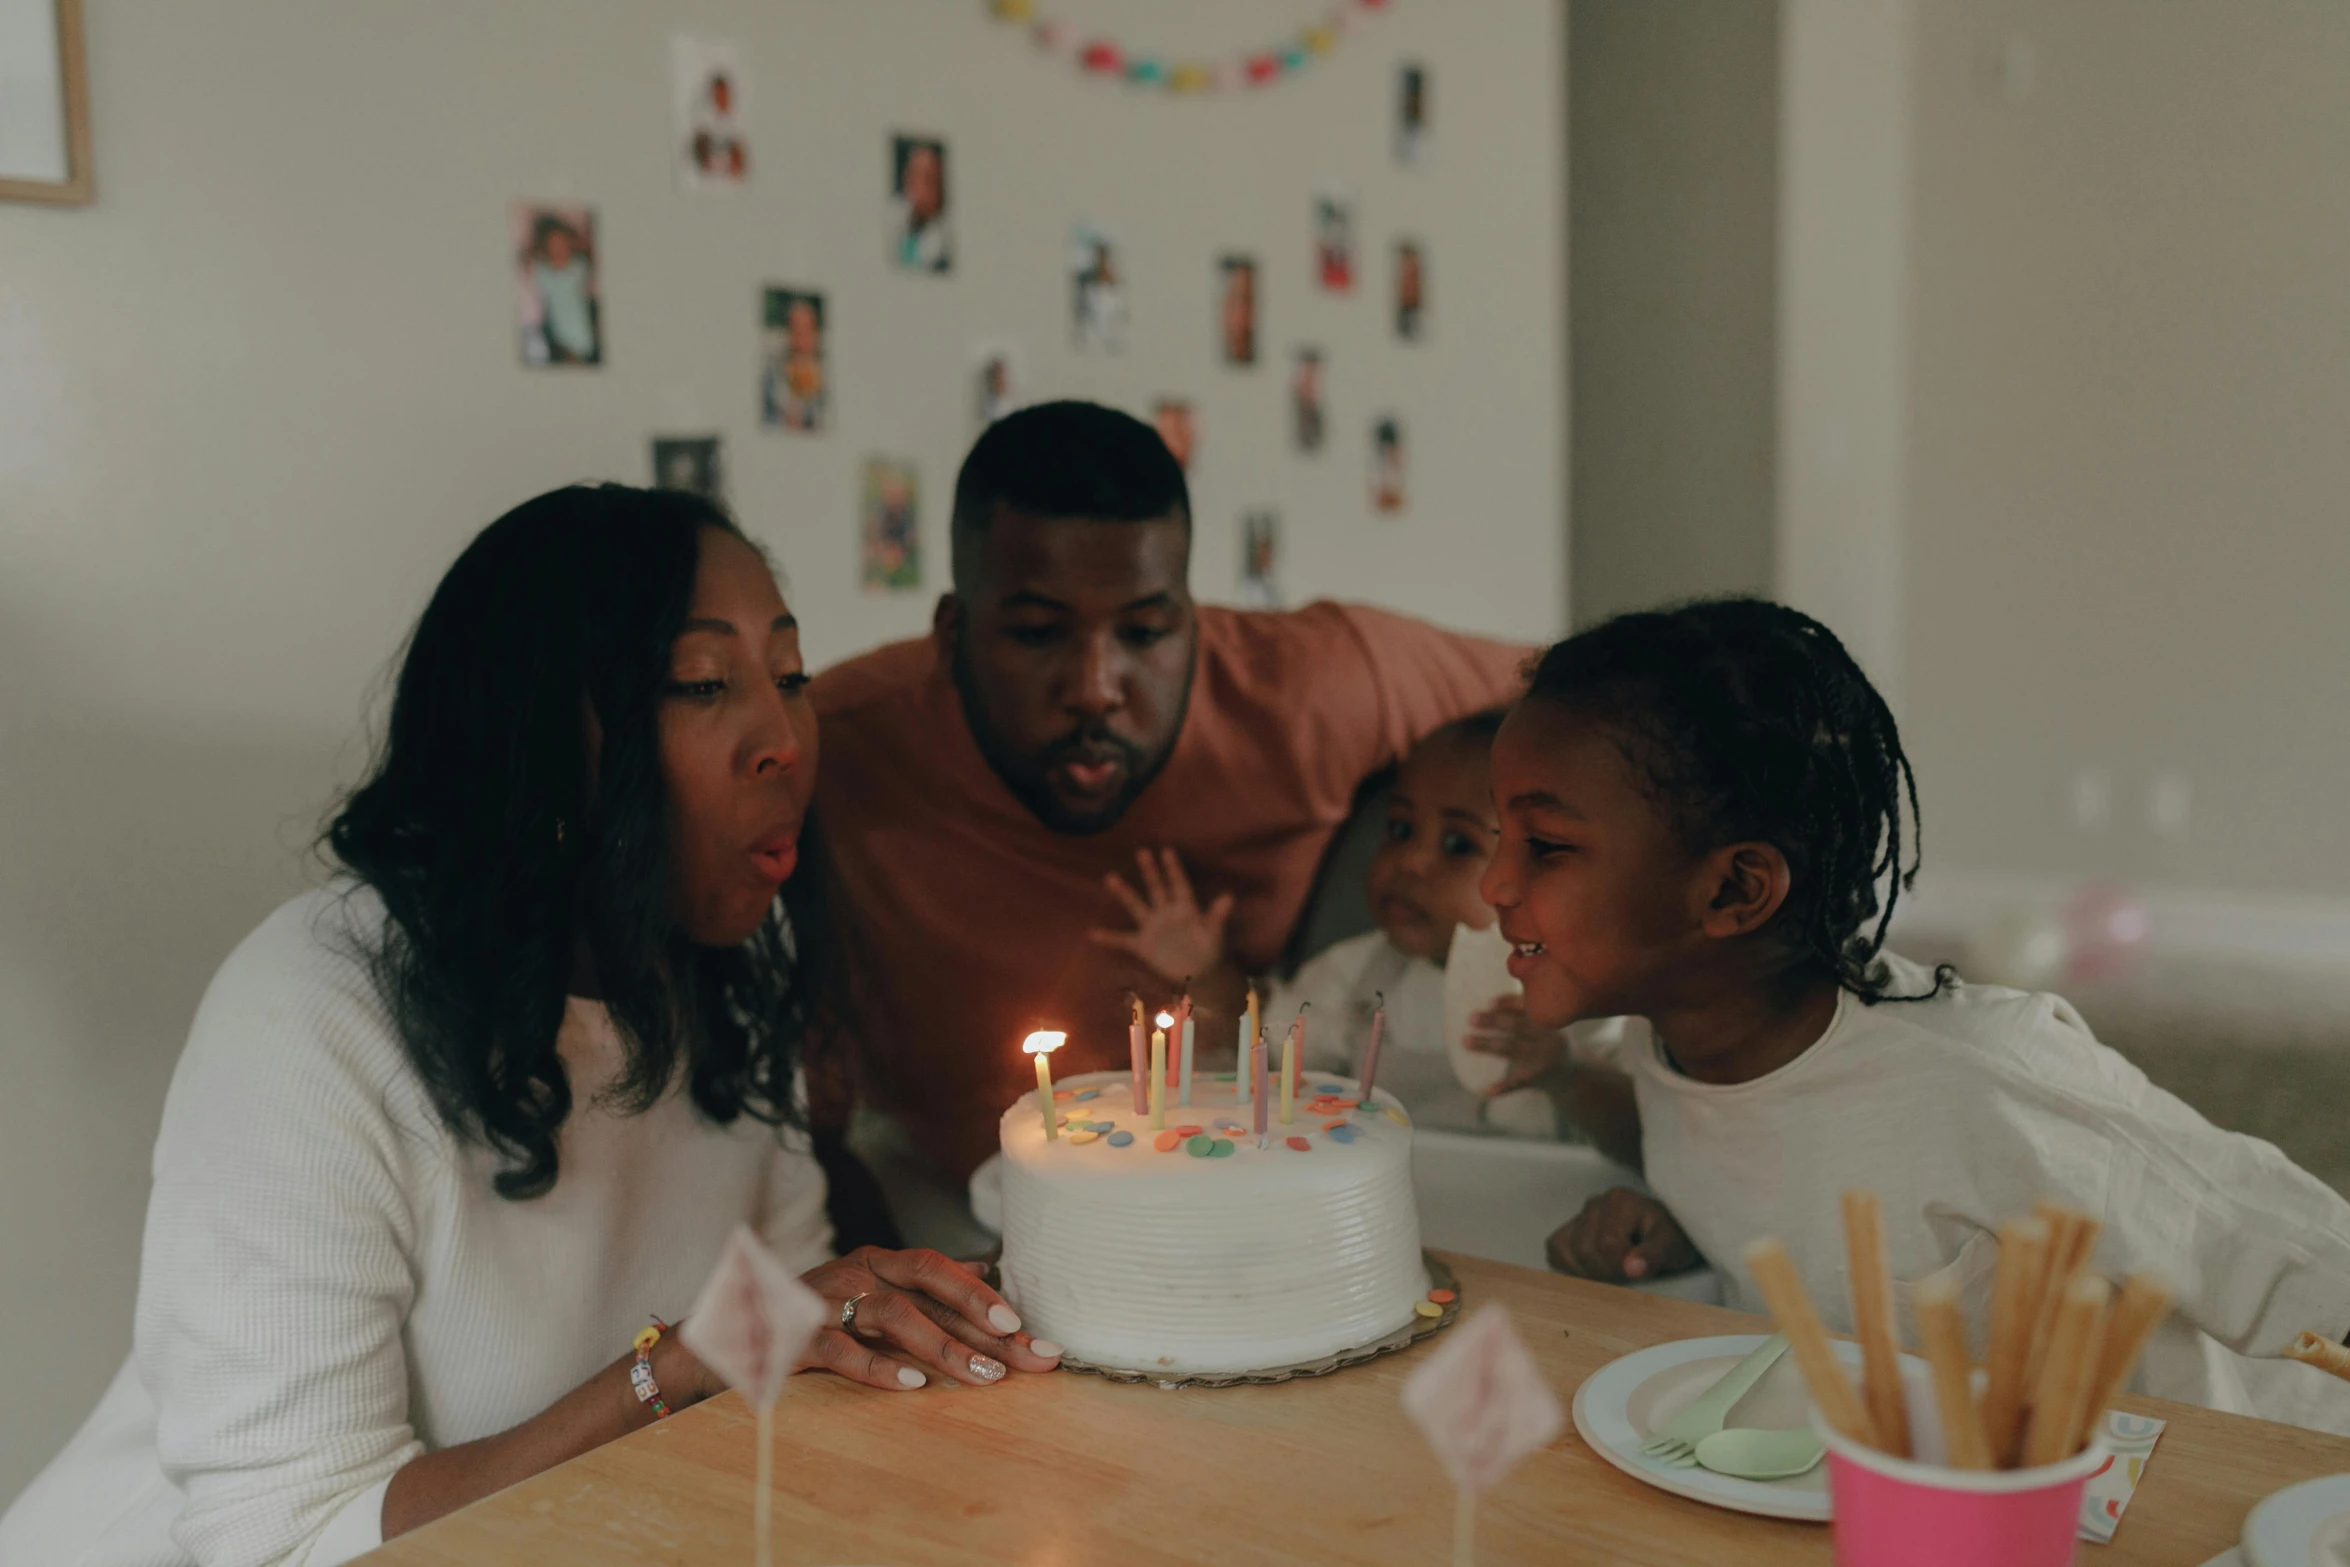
794	391
891	533
1171	416
1097	290
919	237
691	463
998	373
561	318
709	115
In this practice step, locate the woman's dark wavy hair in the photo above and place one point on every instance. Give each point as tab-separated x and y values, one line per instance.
497	841
1749	722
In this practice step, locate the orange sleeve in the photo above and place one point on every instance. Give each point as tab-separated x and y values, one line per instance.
1425	677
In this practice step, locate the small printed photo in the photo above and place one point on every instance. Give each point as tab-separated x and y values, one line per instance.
689	463
1260	559
1411	290
1236	308
1305	399
997	377
794	391
1387	463
709	114
890	542
555	250
1334	240
1411	113
1097	289
919	237
1171	416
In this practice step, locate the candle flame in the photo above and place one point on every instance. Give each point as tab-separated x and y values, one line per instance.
1042	1041
1166	1020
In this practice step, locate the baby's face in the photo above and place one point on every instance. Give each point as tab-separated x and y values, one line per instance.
1440	834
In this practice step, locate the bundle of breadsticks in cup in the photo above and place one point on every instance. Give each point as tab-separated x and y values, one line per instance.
2062	1341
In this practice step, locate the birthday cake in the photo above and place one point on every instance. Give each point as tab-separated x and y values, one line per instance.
1193	1250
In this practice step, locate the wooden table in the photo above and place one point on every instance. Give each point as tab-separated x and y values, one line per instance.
1055	1471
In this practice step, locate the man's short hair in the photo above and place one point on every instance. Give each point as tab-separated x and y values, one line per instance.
1064	459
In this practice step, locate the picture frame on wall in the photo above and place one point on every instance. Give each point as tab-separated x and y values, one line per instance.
44	103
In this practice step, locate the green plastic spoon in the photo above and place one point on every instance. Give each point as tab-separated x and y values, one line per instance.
1746	1454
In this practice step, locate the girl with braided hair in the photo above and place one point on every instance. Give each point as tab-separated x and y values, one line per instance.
1706	818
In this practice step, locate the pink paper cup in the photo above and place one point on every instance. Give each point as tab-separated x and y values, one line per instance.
1899	1512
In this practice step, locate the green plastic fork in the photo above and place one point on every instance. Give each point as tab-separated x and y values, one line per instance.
1675	1442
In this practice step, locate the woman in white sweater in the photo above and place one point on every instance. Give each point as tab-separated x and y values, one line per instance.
451	1130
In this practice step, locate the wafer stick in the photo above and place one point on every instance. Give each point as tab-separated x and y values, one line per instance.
2313	1349
2015	1300
2073	1344
2072	1236
1942	1334
1872	1321
2141	1304
1791	1307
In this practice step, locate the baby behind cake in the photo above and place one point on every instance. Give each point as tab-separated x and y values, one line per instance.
1422	888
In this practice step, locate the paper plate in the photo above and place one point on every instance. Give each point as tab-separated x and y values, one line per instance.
2305	1525
1624	1402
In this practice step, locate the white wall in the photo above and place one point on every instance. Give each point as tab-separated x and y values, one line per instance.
1673	137
1844	119
253	401
2127	530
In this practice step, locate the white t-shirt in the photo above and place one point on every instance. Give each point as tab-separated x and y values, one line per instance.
330	1287
1960	1112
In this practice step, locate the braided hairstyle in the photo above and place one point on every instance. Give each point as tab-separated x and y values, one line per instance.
1749	722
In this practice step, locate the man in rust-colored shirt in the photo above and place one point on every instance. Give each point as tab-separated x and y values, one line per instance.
1073	706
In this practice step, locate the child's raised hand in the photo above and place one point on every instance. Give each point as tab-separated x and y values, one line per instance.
1621	1235
1504	1030
1172	933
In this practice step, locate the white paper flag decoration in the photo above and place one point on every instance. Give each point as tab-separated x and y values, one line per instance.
1481	1401
753	1319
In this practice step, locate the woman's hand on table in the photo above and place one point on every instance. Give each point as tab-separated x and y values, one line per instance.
1621	1236
922	1316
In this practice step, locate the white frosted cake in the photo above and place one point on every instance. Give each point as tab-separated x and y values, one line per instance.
1207	1258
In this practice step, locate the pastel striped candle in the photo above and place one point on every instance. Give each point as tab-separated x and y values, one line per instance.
1249	1044
1371	1050
1289	1067
1159	1074
1183	1078
1140	1052
1263	1089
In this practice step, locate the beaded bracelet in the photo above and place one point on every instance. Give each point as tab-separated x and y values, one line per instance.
640	1375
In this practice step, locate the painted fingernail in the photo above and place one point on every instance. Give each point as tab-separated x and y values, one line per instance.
1045	1348
1003	1319
985	1369
909	1377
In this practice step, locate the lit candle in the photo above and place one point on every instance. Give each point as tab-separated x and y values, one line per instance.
1141	1054
1263	1050
1371	1050
1159	1073
1289	1049
1190	1028
1041	1045
1248	1047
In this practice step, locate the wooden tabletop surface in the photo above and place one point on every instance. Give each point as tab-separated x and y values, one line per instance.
1053	1471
